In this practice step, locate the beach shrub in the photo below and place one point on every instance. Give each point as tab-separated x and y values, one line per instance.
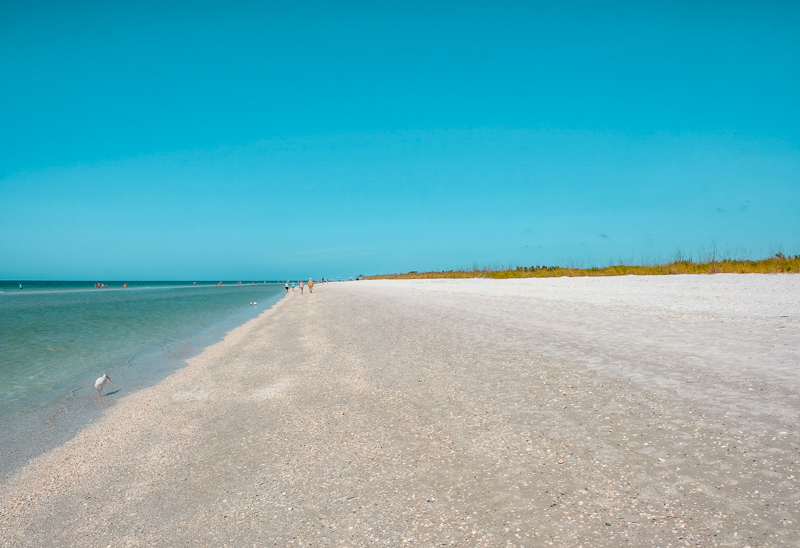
778	263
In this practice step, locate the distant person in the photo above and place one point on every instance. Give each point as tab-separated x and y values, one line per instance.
310	285
124	285
286	286
301	287
20	286
292	287
219	284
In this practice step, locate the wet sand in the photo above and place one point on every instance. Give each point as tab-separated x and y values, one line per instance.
631	411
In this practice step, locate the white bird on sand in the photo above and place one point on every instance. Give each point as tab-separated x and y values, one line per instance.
101	382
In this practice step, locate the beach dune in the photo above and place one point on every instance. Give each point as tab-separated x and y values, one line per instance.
628	411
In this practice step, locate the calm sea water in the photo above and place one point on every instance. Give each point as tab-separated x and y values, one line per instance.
56	338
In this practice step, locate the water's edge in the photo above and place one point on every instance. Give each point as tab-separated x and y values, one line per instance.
30	433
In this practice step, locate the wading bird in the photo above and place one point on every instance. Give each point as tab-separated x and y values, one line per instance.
101	382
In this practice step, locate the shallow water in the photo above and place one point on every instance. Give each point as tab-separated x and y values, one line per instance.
56	338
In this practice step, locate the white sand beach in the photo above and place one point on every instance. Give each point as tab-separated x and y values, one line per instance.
627	411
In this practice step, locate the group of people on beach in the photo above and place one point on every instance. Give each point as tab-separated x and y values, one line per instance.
290	285
300	284
100	285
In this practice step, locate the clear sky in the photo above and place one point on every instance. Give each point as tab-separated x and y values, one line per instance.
266	140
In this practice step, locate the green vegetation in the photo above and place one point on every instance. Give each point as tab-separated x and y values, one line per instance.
773	265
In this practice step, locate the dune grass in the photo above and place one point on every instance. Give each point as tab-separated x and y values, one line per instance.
778	263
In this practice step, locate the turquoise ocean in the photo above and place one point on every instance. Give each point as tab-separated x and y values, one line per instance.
56	338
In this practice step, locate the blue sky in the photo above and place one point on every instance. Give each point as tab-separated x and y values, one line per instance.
273	140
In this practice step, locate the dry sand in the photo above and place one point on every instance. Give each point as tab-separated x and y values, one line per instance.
635	411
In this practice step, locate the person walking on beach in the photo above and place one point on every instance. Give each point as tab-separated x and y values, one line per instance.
301	287
310	285
292	286
286	286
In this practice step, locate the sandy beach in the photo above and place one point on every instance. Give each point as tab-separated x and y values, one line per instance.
629	411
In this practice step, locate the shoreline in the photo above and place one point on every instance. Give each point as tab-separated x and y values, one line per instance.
128	407
461	412
34	430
